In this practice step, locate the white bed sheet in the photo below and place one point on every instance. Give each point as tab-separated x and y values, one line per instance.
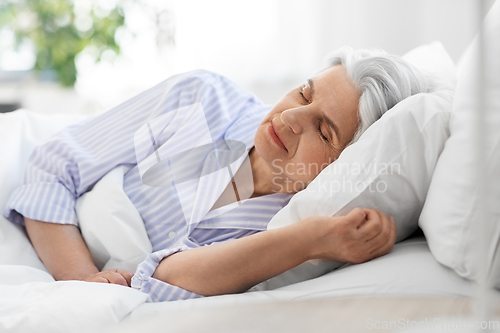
409	270
30	301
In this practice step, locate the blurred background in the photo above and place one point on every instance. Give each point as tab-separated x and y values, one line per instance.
86	56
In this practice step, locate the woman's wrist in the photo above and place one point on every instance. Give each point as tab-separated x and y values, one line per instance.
310	231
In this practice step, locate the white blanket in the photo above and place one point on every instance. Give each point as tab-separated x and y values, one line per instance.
30	300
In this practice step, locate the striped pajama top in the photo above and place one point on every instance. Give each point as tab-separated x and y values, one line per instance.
186	110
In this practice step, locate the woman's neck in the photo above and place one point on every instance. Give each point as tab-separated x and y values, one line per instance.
263	175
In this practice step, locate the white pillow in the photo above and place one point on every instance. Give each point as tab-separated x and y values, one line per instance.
389	168
20	132
111	225
450	218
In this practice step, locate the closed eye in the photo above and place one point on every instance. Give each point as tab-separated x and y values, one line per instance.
323	136
303	91
304	97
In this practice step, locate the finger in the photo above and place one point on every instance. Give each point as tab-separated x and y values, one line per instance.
388	227
373	226
127	275
95	278
356	217
394	228
386	241
385	224
115	278
380	232
99	279
383	250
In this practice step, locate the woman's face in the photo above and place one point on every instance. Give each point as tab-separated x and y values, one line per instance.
309	127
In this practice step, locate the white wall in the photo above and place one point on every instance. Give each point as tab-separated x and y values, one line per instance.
270	46
267	46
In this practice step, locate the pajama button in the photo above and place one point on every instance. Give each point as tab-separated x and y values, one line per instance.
172	234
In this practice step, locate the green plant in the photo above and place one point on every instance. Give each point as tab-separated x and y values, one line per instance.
59	30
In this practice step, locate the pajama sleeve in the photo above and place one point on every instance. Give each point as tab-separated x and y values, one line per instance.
158	290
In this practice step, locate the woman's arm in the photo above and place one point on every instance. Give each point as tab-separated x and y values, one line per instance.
65	254
237	265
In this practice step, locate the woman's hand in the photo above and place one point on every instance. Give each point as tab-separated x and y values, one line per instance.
361	235
115	276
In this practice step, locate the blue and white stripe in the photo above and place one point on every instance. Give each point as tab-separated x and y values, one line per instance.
70	163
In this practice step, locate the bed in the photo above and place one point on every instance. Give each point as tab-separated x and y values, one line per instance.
405	280
420	284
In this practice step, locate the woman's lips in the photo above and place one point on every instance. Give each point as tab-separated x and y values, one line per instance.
275	136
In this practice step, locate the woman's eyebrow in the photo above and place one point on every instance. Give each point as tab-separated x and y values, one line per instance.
311	86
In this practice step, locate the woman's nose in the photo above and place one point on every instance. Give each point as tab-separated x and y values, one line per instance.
291	118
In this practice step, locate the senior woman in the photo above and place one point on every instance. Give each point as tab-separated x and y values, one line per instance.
309	126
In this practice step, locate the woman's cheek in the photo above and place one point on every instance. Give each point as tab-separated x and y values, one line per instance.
315	161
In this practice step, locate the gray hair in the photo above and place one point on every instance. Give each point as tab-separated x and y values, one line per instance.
382	79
